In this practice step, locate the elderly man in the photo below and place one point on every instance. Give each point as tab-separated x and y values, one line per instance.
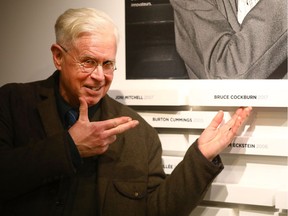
107	161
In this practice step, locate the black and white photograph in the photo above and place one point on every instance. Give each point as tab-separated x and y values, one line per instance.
231	39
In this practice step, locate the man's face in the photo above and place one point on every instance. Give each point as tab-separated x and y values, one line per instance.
92	86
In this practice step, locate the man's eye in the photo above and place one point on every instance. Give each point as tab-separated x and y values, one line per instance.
89	63
108	64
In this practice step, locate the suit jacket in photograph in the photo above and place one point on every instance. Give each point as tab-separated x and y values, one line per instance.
214	45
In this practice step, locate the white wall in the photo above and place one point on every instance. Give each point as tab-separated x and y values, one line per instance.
27	32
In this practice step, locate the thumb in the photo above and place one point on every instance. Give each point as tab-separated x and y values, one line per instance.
83	110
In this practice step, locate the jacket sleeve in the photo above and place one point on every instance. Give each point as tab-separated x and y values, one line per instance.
212	49
182	191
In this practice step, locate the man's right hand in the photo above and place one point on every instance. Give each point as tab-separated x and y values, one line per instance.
94	138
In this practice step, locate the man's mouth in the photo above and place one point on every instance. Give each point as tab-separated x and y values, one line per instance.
93	88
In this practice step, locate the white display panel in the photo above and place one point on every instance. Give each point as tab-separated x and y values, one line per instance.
257	93
179	119
235	210
265	133
281	198
241	194
160	97
202	92
270	146
246	180
214	211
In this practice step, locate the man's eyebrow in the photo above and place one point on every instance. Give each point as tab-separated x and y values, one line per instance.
88	55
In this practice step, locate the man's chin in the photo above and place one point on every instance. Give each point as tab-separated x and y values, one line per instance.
92	102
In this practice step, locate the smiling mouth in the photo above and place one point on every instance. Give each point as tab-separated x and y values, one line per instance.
94	88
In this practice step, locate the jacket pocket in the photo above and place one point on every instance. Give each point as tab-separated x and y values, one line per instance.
125	198
131	189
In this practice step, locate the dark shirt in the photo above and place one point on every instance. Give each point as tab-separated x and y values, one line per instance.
63	107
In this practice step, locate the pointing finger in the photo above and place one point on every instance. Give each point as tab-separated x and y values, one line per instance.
121	128
113	123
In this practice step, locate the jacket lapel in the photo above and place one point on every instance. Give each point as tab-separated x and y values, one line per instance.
48	109
229	9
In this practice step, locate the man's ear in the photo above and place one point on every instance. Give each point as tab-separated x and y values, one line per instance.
57	55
